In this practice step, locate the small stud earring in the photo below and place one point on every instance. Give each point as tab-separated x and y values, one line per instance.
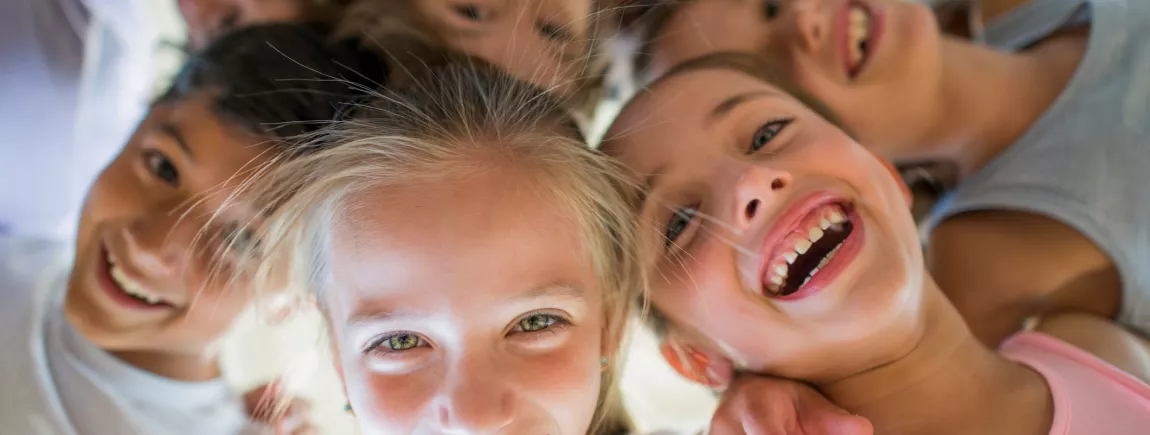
603	362
347	409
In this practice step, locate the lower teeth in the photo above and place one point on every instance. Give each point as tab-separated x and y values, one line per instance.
822	264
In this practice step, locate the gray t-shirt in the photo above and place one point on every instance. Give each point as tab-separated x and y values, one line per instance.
53	381
1086	161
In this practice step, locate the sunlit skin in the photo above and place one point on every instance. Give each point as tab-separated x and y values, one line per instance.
208	19
544	42
707	162
919	96
143	214
878	338
465	304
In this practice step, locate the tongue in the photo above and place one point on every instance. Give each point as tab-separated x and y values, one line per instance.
806	263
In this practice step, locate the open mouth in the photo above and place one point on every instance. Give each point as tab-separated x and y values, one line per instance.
128	291
808	249
861	35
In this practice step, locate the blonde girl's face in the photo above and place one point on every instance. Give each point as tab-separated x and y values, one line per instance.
544	42
780	239
465	305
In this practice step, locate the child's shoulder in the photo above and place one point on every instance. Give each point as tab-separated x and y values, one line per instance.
1090	395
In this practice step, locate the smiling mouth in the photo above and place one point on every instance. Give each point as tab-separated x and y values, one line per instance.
860	29
813	244
132	289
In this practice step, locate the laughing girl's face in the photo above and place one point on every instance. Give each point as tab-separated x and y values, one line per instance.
877	63
782	240
152	233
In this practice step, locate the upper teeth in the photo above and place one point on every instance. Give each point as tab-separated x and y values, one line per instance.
132	287
779	271
859	33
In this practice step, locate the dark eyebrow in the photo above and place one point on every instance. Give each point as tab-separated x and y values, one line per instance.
729	104
172	131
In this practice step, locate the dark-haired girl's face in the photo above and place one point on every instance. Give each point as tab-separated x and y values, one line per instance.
145	246
777	237
544	42
875	62
208	19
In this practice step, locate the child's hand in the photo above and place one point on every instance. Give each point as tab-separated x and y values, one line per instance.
758	405
267	405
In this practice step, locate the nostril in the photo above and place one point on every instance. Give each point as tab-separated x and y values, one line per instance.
752	207
777	184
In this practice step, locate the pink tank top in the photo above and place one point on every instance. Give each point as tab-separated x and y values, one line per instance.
1091	397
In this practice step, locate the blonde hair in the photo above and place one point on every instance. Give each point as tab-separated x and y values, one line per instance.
383	21
442	125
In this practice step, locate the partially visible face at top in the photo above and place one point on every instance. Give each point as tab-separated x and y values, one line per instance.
544	42
145	248
465	305
877	63
208	19
781	243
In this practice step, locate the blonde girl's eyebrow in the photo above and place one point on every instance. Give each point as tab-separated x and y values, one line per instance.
554	291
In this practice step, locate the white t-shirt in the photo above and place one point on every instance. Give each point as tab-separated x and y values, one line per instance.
53	381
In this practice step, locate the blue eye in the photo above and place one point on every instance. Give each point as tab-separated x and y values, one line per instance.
767	133
678	223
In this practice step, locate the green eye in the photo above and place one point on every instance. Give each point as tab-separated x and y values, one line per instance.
403	342
537	322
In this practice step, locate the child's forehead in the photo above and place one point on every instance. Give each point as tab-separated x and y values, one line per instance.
690	96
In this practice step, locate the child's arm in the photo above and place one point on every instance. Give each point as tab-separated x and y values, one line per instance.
999	267
1103	338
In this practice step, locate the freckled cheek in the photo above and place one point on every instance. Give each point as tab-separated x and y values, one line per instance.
565	381
388	402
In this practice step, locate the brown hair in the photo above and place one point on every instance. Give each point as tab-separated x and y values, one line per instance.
644	32
384	21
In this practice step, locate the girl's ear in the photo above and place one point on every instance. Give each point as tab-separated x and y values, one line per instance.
697	365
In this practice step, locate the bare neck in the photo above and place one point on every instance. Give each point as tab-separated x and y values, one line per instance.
182	367
948	383
988	100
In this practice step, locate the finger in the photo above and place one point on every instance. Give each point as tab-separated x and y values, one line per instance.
305	430
849	425
292	425
297	406
724	424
